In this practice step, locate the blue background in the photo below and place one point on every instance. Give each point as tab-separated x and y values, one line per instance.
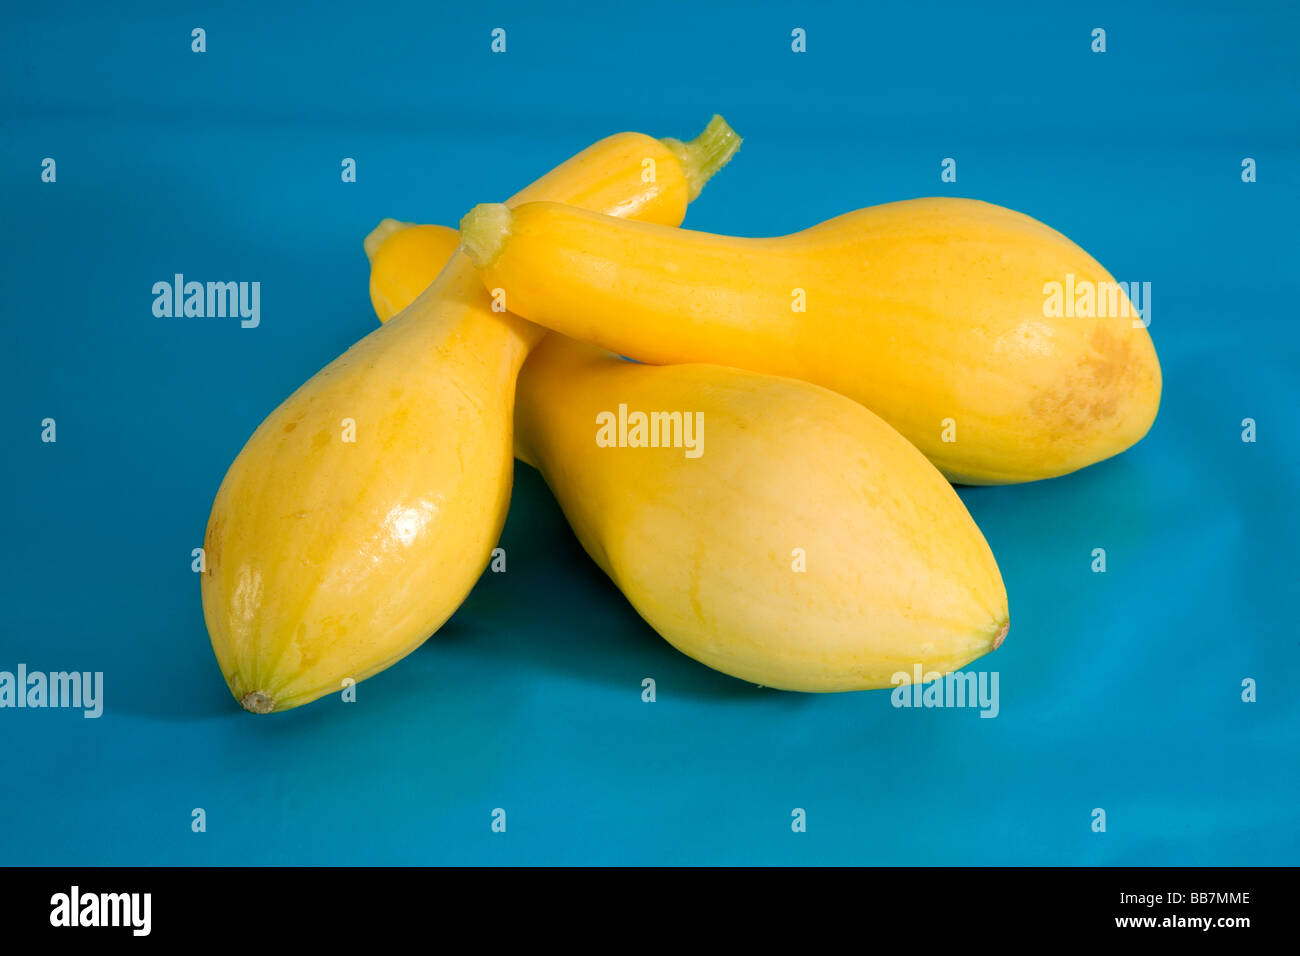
1118	690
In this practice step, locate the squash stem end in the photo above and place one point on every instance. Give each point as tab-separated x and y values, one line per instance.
703	156
381	234
256	702
483	232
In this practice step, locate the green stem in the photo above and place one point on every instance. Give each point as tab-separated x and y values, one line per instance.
483	232
705	154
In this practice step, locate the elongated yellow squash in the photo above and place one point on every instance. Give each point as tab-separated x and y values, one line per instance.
780	533
362	510
938	314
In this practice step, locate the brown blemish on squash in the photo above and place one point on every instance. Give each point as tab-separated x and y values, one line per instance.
212	542
1093	392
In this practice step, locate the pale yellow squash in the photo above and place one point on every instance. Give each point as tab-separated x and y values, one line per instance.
808	547
362	510
934	313
793	539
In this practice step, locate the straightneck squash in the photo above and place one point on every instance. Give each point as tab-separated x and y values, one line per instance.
944	316
362	510
780	533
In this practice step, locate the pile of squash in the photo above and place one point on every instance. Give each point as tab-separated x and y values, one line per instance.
768	482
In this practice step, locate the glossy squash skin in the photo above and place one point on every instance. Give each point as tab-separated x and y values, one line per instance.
791	538
362	510
937	314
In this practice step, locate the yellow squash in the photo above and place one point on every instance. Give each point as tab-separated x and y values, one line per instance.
362	510
972	329
779	532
